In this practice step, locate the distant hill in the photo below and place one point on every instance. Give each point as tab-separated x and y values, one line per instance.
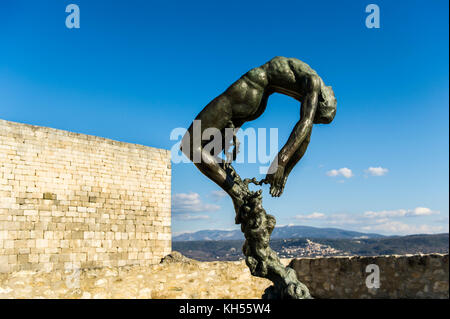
207	250
285	232
411	244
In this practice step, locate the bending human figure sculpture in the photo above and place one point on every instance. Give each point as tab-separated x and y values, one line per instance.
245	100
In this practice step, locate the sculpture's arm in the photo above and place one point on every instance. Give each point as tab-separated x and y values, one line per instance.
300	131
276	175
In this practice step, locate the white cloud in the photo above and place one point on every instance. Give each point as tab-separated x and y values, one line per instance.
388	222
418	211
399	228
218	195
377	171
344	171
315	215
342	219
191	217
191	203
386	213
423	211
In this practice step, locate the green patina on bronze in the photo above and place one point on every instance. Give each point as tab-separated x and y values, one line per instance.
245	100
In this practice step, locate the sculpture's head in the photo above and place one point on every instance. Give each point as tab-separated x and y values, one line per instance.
326	109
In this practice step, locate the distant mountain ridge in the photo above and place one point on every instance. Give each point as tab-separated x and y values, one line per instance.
285	232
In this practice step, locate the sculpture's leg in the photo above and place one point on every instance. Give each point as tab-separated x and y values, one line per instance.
257	227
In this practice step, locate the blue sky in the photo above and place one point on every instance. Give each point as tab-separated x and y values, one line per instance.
136	70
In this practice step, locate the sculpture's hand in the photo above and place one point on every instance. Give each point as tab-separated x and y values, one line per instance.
276	181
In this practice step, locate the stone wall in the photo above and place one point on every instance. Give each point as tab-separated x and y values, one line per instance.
72	200
406	276
181	278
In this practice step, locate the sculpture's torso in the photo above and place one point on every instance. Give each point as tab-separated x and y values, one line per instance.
249	94
246	99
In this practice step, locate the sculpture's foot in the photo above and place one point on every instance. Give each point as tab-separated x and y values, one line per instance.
292	291
288	288
271	293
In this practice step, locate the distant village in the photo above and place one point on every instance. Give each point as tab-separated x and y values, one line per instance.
311	249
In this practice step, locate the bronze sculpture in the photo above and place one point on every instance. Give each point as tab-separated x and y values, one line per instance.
245	100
